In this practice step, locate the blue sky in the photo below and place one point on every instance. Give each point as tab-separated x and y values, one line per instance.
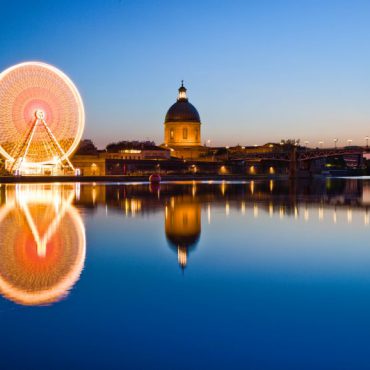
257	71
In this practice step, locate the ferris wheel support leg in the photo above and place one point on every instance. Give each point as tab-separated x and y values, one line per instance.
56	221
57	144
41	246
26	142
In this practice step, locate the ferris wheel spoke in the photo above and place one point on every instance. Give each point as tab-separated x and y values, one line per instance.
56	221
26	144
41	247
53	138
50	148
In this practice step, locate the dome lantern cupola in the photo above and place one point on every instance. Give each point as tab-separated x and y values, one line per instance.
182	93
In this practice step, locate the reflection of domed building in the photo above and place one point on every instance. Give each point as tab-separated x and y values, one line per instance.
42	245
183	226
182	128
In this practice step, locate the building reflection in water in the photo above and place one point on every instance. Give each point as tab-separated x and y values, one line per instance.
183	225
42	249
332	201
42	245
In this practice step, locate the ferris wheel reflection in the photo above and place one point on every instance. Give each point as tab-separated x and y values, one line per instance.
43	244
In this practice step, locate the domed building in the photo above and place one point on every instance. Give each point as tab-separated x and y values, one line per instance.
182	132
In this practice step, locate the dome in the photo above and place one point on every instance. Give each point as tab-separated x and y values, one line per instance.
183	222
189	241
182	110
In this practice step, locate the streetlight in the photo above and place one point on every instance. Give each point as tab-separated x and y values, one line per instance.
306	143
367	141
335	143
209	142
349	142
321	143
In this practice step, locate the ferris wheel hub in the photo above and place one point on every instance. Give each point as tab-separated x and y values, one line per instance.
39	114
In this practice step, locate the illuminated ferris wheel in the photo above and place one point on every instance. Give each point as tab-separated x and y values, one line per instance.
41	118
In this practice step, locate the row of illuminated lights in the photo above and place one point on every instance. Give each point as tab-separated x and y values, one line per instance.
252	186
224	170
134	206
252	170
335	140
322	213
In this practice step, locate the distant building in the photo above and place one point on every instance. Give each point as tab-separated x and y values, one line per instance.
182	128
90	164
119	158
136	150
88	159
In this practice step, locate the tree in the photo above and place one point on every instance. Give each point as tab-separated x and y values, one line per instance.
87	147
290	142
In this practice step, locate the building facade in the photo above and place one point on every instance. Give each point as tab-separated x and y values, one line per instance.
182	128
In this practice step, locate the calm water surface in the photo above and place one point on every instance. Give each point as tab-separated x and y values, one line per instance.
254	275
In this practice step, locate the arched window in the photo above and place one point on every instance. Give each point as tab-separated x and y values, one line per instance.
172	134
185	133
196	134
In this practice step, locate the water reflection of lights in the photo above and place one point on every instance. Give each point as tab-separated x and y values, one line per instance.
321	213
251	187
281	212
132	206
255	210
321	208
78	191
271	185
349	215
43	244
194	189
223	188
93	195
243	208
306	214
271	209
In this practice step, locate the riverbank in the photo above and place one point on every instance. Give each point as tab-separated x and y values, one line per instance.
128	179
